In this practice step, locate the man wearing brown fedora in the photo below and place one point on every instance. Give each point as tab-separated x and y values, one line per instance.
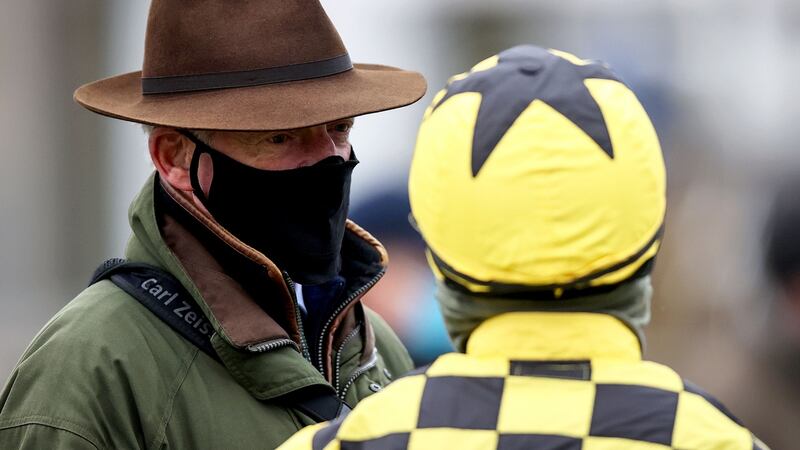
236	318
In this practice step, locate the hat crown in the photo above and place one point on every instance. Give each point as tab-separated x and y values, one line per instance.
551	168
194	37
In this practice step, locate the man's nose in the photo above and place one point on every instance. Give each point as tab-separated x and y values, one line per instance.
320	144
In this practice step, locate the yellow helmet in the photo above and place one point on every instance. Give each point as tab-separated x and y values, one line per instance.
537	170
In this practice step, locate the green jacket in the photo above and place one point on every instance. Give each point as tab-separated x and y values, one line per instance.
107	373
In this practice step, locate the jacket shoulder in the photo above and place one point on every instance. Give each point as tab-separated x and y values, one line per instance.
691	417
704	421
103	323
97	369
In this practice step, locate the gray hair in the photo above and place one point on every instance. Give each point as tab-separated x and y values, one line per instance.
204	135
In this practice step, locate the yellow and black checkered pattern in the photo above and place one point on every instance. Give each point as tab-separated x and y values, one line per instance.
610	400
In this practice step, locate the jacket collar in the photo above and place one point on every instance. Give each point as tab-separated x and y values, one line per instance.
554	336
238	320
462	312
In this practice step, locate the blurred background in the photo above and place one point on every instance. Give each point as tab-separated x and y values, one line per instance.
717	76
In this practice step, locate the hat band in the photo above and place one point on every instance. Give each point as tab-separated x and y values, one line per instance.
222	80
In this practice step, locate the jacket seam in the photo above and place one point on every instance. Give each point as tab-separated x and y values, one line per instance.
161	435
50	422
271	393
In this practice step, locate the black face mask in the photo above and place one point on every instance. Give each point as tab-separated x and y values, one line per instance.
295	217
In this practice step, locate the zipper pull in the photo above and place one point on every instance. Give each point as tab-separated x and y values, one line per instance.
298	317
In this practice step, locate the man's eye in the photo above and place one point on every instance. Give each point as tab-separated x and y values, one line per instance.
278	139
342	127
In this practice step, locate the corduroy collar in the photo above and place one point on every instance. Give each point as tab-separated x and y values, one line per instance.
554	336
237	319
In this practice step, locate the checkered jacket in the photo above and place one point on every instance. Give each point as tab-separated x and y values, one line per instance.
565	381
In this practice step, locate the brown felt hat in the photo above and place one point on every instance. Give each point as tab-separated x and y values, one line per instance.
247	65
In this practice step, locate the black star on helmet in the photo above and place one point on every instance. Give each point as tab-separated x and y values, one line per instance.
522	75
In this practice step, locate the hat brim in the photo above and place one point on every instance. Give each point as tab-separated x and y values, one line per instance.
362	90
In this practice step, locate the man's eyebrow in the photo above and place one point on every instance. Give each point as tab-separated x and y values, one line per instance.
344	119
257	137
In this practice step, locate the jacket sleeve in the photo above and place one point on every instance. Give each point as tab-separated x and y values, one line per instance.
705	423
33	436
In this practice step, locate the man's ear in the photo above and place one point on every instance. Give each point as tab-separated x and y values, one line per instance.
171	153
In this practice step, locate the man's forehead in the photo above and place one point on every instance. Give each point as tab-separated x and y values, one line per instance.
247	137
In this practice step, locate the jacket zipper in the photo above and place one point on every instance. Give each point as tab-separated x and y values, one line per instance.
360	371
278	343
267	346
338	365
342	306
298	318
